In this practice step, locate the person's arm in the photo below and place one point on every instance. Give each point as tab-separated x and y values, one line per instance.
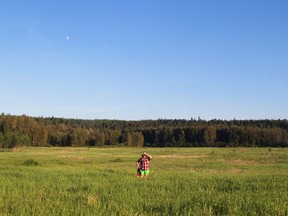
138	162
149	157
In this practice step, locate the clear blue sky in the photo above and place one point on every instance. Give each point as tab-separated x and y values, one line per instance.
144	59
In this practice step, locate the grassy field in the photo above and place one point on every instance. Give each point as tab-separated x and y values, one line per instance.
182	181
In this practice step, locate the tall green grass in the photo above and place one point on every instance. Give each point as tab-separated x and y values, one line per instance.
184	181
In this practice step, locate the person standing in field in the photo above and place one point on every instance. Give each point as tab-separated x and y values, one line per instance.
143	165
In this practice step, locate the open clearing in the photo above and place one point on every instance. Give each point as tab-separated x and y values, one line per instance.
183	181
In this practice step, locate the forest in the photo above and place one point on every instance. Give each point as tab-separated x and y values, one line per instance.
16	131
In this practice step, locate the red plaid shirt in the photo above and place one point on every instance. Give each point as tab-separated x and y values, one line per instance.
143	163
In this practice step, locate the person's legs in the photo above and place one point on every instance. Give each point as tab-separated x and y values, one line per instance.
138	172
141	173
144	173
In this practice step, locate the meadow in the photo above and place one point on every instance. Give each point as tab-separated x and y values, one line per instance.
182	181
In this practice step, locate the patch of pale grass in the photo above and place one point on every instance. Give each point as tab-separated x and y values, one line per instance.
238	161
243	162
93	200
75	158
179	156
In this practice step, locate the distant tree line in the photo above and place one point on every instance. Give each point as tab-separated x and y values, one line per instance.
31	131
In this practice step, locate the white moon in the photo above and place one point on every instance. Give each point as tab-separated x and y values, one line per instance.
67	37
